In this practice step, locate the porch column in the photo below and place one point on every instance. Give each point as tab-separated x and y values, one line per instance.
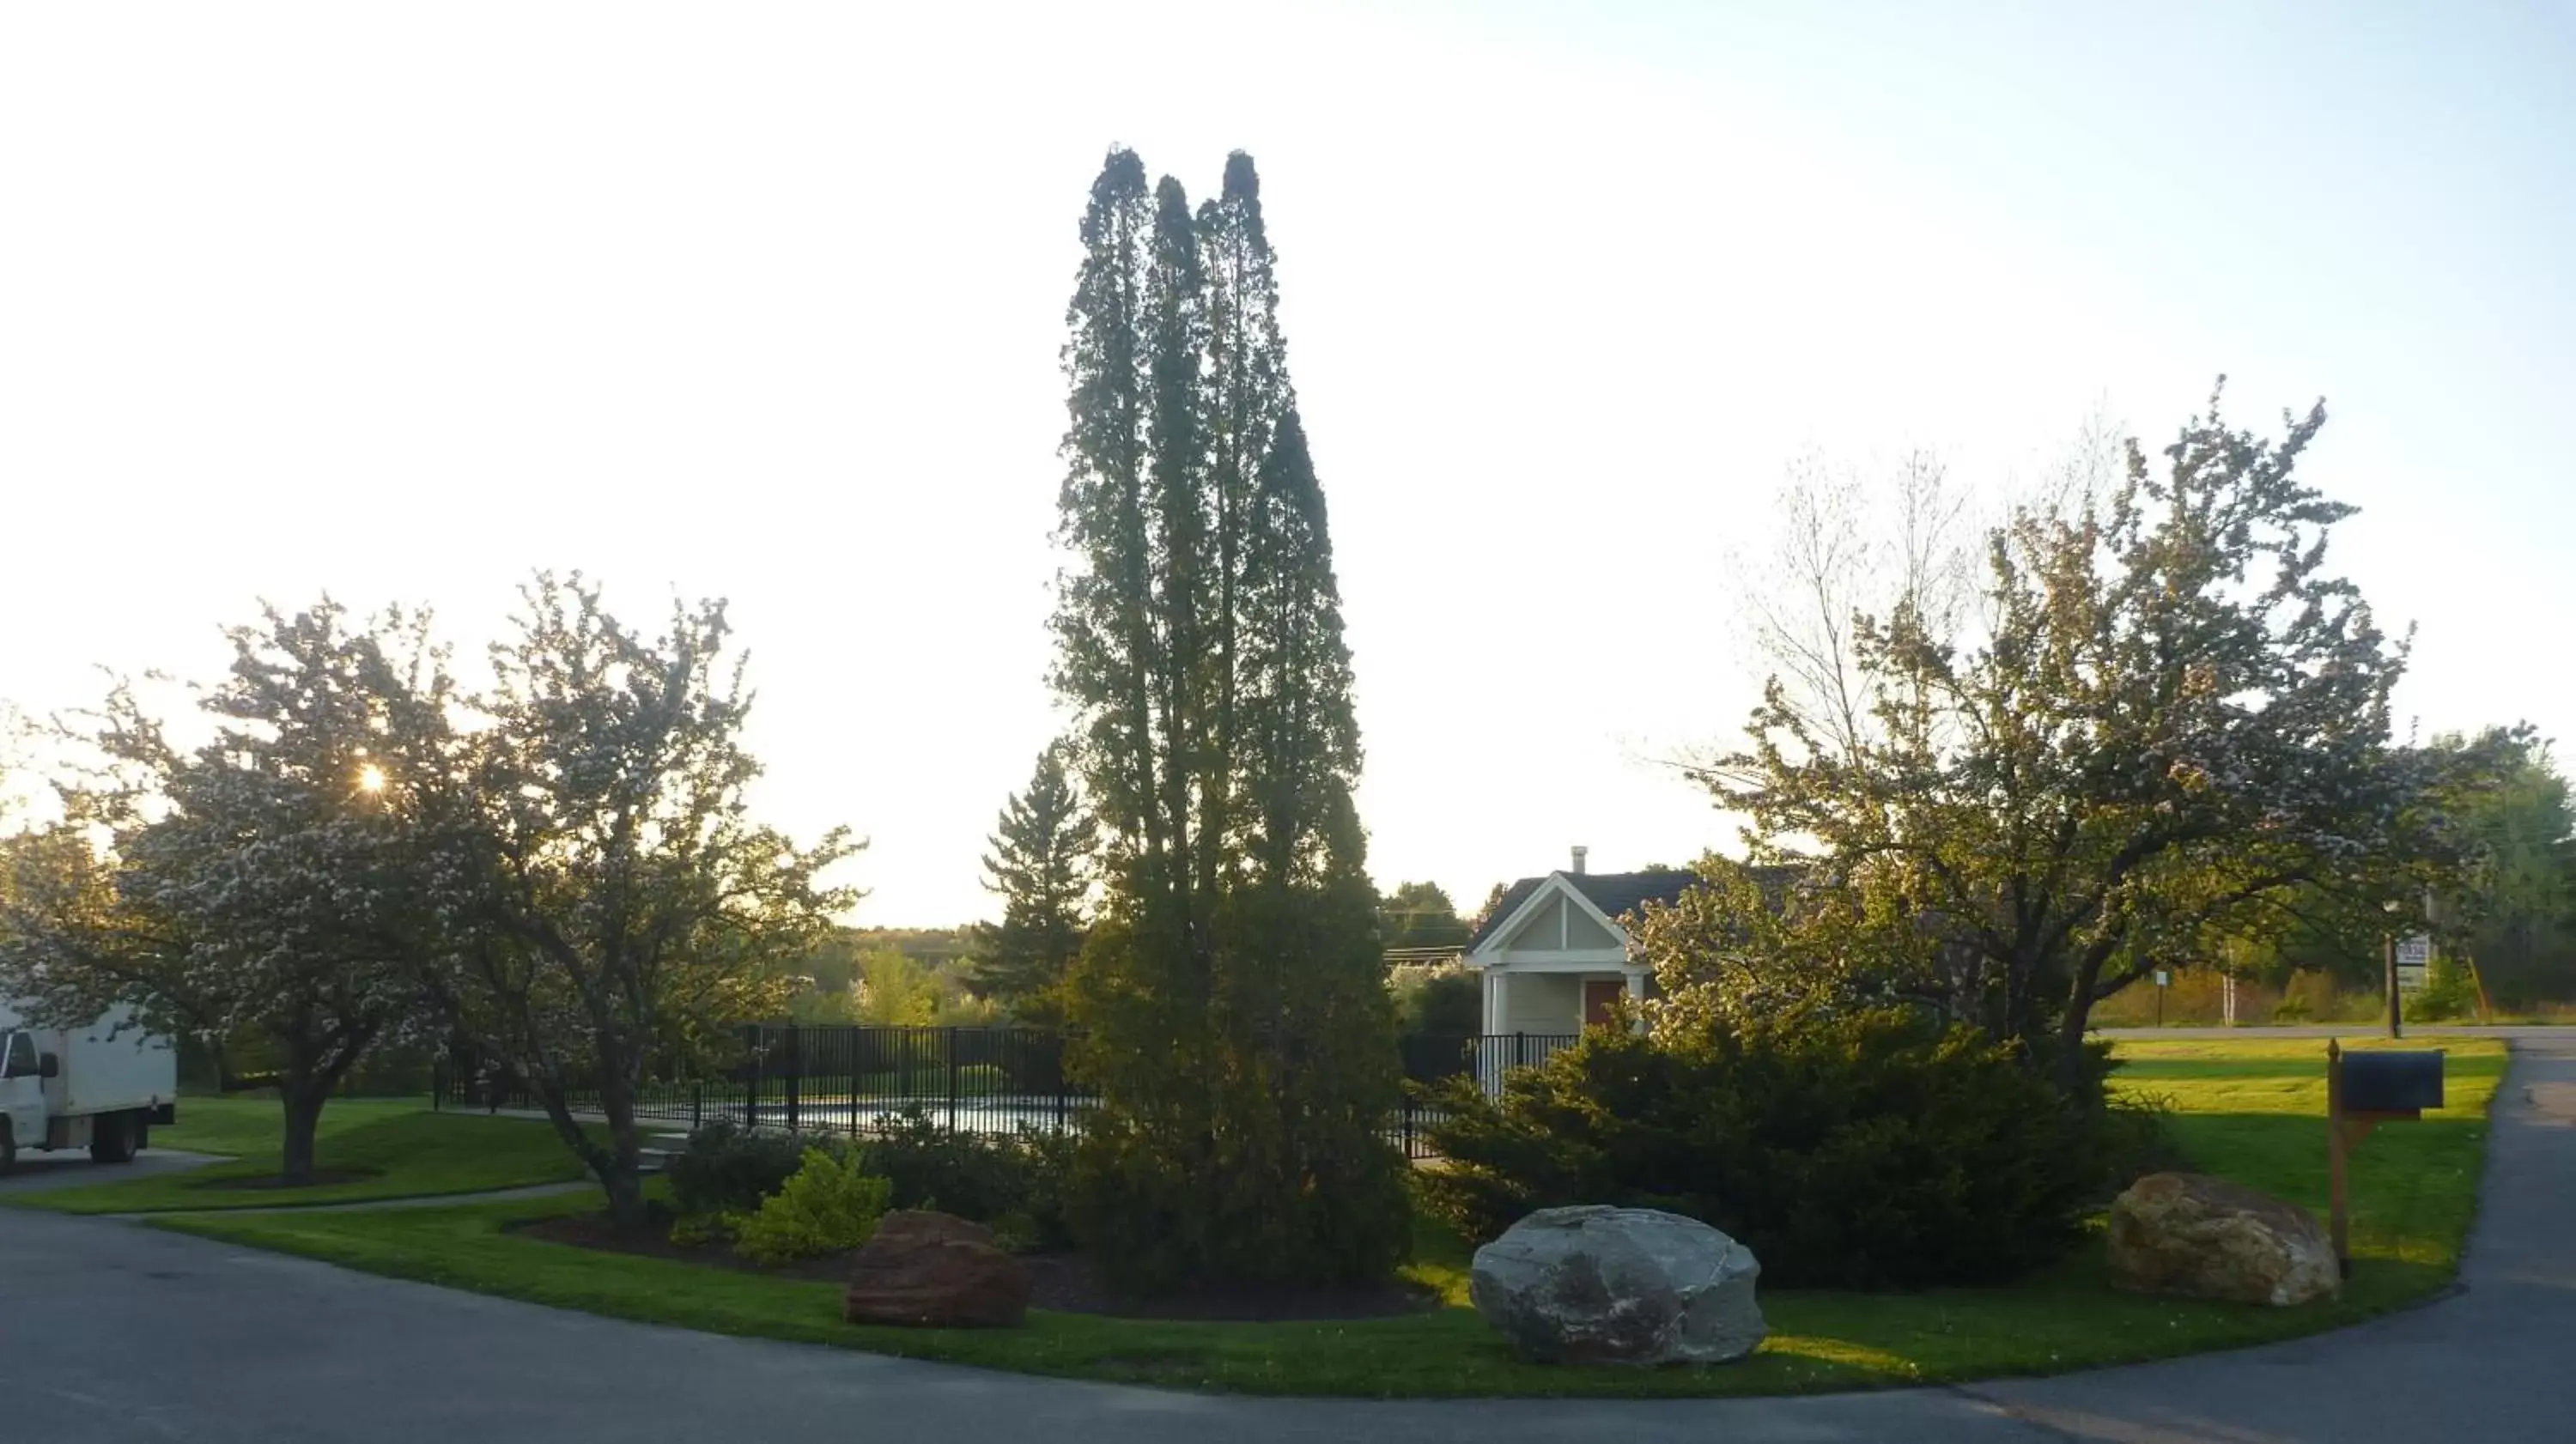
1637	996
1498	1009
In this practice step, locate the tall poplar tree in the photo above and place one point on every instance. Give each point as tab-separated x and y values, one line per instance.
1235	1023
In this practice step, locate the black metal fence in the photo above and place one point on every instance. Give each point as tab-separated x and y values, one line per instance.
855	1079
1434	1057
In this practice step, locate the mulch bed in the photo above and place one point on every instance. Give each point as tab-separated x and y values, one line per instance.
1065	1283
322	1178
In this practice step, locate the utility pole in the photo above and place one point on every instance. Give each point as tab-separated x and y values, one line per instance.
2396	1025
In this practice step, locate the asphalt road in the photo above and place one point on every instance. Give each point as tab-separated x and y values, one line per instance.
71	1168
114	1333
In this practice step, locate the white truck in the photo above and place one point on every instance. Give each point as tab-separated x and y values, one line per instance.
101	1087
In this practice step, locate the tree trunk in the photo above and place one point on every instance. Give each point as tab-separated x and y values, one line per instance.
620	1165
623	1182
304	1099
2070	1047
617	1167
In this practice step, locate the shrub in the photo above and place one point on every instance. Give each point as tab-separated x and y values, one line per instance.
692	1229
1017	1184
828	1206
726	1170
2138	1139
1445	1002
1244	1088
1855	1150
1042	1219
969	1175
2448	992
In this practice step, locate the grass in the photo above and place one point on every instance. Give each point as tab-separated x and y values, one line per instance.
241	1125
404	1150
2249	1109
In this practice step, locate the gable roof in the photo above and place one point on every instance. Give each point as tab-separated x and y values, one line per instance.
1614	893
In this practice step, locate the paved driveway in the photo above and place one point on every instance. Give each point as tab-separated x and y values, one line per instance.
71	1168
113	1333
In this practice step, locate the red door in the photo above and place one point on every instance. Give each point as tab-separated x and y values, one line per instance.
1599	998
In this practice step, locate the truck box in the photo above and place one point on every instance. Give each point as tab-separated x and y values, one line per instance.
111	1066
101	1086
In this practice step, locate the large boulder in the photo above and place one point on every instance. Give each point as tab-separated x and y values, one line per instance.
2189	1233
1602	1285
935	1270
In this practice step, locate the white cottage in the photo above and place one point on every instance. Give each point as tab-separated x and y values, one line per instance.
1554	954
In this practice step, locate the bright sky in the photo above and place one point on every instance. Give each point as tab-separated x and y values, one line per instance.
764	302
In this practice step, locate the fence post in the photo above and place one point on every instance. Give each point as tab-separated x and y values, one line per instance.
759	1075
697	1106
1520	1050
795	1075
437	1083
1063	1085
952	1079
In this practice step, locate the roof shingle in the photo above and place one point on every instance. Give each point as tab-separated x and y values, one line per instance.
1615	893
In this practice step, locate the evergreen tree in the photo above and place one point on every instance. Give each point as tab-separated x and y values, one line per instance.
1040	865
1246	384
1236	1023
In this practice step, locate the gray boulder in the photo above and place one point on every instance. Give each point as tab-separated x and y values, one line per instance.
1602	1285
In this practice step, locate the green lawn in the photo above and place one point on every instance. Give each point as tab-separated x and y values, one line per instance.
2249	1109
405	1150
241	1125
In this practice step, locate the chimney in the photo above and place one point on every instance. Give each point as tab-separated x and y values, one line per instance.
1578	860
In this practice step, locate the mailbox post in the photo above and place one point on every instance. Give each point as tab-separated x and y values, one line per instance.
2364	1090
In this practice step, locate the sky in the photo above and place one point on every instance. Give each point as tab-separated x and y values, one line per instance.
401	303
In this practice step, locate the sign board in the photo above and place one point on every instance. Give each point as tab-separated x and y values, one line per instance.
2164	979
2414	961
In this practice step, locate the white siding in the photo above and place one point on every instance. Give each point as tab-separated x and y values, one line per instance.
1544	1003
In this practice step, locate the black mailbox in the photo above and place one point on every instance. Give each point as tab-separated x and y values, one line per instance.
2375	1082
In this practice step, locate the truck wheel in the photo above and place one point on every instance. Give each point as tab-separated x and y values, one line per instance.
111	1138
8	1149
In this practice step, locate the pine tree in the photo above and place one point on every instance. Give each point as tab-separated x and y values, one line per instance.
1040	866
1237	1027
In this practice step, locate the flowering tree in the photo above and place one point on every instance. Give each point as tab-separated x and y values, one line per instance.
257	891
2174	717
605	897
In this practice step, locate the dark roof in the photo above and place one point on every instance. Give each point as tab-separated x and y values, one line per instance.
1614	893
1620	893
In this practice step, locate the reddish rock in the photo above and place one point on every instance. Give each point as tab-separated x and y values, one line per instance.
935	1270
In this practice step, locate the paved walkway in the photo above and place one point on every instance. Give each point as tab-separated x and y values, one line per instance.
152	1336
